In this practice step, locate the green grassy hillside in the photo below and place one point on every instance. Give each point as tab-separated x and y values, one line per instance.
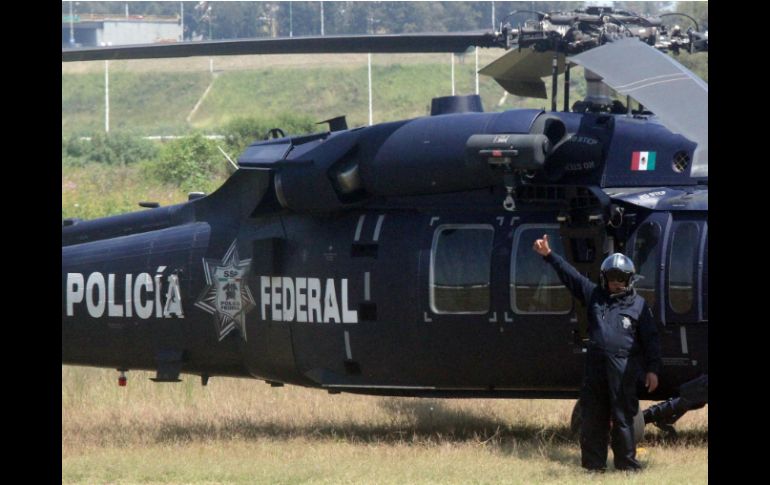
157	97
150	103
160	101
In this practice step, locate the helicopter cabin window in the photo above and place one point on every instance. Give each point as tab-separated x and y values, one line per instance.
460	268
645	259
705	280
535	286
681	275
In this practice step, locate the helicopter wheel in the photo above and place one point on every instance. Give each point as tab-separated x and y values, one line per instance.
577	420
669	432
638	426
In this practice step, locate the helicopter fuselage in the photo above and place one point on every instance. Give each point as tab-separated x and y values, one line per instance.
411	294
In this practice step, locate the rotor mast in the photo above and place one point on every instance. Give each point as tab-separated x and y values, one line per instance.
571	33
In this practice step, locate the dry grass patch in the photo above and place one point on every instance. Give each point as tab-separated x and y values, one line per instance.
243	431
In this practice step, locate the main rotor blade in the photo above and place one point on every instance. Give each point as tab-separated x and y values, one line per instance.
442	42
676	95
520	72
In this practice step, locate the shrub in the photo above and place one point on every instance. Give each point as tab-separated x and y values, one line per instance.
110	149
191	163
74	150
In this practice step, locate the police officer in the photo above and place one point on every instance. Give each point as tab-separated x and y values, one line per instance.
623	342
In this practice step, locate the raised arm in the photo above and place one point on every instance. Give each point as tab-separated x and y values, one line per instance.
580	286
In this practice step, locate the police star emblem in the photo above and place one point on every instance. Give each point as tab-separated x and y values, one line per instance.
227	295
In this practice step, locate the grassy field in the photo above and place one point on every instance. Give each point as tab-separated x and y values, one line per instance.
155	97
237	431
97	190
156	103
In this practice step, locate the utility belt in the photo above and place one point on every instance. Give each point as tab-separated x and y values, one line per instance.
596	349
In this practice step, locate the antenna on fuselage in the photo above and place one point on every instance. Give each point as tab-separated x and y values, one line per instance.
228	157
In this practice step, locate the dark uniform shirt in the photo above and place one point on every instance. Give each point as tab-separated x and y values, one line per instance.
620	324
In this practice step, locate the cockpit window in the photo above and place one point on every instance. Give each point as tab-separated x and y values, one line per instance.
645	257
535	286
460	269
681	275
705	279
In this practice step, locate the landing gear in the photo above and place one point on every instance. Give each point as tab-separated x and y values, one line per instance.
577	420
664	415
668	430
692	395
638	426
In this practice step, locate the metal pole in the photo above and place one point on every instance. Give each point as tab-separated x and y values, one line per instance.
106	96
181	7
554	76
370	89
322	18
452	56
477	70
566	87
493	16
291	22
72	27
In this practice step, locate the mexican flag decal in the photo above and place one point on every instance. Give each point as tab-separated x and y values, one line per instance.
643	161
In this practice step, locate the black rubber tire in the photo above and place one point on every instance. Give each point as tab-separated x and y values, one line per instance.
639	426
575	421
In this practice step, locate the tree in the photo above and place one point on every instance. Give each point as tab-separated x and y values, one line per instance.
698	10
643	8
233	20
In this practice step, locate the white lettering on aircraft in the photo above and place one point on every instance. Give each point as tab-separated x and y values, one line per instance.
142	296
305	300
650	195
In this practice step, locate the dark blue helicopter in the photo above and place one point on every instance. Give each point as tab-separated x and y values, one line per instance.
396	259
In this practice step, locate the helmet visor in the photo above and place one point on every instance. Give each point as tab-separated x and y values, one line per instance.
616	275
